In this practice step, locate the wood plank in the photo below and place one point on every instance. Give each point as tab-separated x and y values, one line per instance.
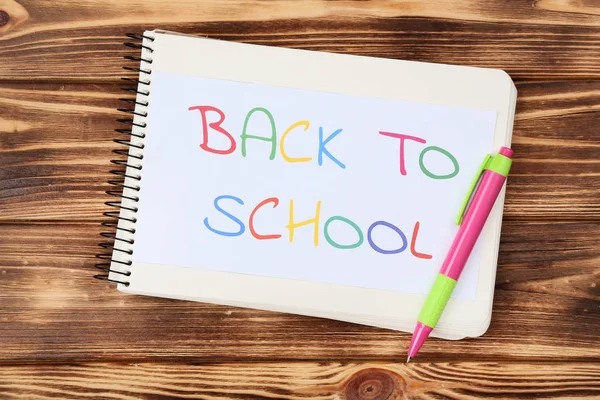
547	307
82	40
56	146
331	380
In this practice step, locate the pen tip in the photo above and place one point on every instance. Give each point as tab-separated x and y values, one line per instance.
408	360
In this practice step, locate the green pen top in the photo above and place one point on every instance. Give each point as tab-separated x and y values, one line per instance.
498	163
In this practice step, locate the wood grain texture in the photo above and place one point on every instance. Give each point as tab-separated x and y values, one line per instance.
82	40
65	335
56	146
343	381
547	307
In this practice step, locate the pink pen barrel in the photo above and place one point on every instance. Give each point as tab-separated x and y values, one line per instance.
475	217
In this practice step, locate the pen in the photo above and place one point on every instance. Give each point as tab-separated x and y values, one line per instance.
493	172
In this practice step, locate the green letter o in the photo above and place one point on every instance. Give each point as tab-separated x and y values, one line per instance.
447	154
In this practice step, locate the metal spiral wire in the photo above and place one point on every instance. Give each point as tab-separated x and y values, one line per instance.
119	248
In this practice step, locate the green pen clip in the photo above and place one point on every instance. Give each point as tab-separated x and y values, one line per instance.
484	164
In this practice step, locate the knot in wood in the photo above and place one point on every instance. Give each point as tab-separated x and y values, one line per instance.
4	18
374	384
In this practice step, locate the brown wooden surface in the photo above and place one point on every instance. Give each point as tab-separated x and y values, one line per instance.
303	380
65	335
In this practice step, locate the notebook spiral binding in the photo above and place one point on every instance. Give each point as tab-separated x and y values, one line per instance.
126	187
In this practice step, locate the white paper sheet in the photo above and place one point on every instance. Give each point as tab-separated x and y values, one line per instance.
359	178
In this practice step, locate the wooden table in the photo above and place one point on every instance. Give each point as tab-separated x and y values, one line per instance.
65	335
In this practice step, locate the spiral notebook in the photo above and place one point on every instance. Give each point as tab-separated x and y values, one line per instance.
303	182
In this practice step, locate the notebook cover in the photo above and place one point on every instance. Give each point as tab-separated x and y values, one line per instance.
352	75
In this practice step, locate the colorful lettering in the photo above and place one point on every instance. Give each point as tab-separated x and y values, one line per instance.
228	215
273	139
323	149
444	152
402	138
293	225
275	202
392	227
287	158
413	244
215	126
349	222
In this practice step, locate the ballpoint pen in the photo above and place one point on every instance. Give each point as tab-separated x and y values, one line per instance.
493	173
